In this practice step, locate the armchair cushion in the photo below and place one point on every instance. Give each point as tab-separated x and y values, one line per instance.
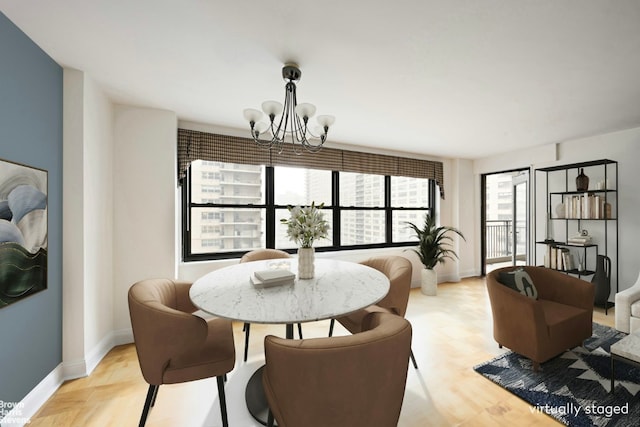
519	281
628	309
635	309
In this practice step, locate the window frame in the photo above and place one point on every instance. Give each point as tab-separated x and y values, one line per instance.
270	217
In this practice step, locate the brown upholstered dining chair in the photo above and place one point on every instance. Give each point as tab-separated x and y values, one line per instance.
399	270
260	255
346	381
174	345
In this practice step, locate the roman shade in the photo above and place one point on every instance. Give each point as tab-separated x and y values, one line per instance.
197	145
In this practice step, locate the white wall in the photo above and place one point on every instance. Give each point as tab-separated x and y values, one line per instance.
518	159
87	219
145	181
465	217
73	259
98	220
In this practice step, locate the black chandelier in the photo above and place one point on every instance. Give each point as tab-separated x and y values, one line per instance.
293	122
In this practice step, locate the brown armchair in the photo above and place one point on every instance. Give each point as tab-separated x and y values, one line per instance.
354	380
175	346
260	255
399	270
561	318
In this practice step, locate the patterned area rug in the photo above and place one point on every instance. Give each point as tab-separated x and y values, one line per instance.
574	387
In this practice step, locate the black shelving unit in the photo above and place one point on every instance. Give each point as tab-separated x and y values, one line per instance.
577	272
562	192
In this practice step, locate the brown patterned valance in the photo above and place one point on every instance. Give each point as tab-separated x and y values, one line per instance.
196	145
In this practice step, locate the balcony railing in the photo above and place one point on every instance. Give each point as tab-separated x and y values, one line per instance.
499	237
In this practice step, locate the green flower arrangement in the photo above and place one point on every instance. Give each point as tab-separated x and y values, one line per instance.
306	224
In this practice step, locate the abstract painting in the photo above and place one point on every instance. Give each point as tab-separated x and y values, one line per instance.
23	231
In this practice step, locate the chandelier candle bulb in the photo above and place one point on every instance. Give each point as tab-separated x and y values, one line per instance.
252	115
272	108
325	121
305	111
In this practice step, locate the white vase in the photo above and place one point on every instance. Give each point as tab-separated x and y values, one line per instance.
306	258
429	281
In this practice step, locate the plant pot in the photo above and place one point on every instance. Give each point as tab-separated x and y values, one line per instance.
429	281
306	260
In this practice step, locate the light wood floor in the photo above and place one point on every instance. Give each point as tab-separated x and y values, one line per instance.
452	333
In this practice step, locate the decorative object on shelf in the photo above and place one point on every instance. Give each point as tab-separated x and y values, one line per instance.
433	249
582	239
602	280
548	231
582	181
560	211
304	226
293	122
580	263
585	206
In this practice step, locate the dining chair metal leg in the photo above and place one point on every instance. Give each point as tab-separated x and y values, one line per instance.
223	401
333	321
413	359
300	330
148	403
246	329
155	394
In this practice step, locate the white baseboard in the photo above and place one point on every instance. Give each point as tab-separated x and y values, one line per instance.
27	407
472	272
83	367
122	336
453	277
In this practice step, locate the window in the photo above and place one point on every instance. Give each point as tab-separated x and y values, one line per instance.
362	205
299	186
411	199
247	182
236	217
242	209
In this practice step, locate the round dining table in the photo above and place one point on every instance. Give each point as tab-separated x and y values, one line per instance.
337	288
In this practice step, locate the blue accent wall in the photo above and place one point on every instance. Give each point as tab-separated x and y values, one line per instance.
31	134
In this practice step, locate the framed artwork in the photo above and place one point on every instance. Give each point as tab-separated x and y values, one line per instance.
23	231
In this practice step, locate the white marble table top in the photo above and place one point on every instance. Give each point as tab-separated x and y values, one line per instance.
628	347
338	288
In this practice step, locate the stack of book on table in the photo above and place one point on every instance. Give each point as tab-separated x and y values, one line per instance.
267	278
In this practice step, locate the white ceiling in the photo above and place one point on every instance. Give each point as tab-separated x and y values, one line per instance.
452	78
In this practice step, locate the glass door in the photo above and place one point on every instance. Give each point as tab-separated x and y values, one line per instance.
520	231
505	219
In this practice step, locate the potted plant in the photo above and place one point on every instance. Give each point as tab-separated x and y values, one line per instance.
433	248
